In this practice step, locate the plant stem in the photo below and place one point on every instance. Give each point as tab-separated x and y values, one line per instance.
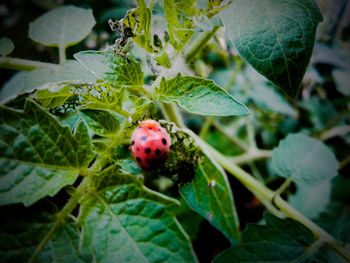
284	186
62	54
205	128
171	113
200	44
251	155
319	232
67	209
334	132
231	137
262	192
24	64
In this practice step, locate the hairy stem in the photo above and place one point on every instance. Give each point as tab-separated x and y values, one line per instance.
171	113
200	44
24	64
66	210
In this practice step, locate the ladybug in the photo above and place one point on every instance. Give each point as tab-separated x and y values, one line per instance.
150	144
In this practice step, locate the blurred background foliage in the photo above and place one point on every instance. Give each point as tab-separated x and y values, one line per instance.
322	109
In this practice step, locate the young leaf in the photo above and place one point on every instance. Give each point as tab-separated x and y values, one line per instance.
275	37
304	159
107	66
6	46
199	96
101	122
28	81
280	240
54	99
123	220
38	156
209	194
62	27
22	230
178	15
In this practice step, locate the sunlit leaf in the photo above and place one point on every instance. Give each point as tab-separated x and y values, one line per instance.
62	27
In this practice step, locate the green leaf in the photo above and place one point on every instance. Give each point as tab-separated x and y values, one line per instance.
209	194
280	240
311	200
107	66
84	153
28	81
101	122
342	81
143	107
304	159
62	27
6	46
54	99
275	37
199	96
38	156
23	228
178	14
123	220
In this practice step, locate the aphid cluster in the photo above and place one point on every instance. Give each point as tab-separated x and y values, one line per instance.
150	144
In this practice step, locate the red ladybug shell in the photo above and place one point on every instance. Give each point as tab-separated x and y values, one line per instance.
150	144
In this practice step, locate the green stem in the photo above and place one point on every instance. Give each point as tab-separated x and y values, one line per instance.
62	54
200	44
231	137
171	113
319	232
24	64
284	186
67	209
262	192
205	128
251	155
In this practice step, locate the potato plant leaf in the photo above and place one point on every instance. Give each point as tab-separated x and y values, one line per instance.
304	159
28	81
62	27
101	122
123	220
280	240
275	37
179	18
106	65
209	194
199	96
38	156
6	46
22	231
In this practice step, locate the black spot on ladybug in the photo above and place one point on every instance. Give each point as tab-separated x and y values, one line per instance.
138	159
164	141
147	150
158	152
133	142
148	160
150	128
143	138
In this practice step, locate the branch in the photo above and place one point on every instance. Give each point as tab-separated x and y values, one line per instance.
24	64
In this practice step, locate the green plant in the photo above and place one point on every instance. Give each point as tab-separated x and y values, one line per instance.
65	130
